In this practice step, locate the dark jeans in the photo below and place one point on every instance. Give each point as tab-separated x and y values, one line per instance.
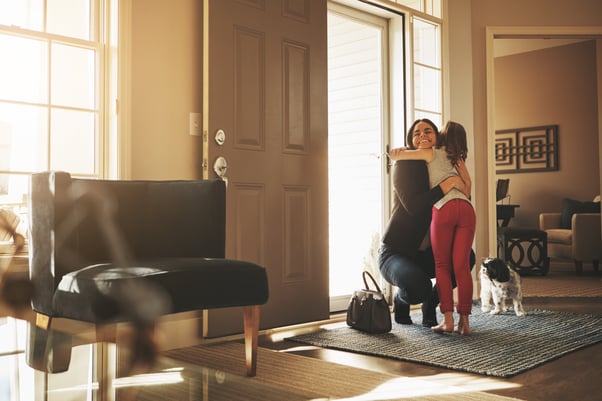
411	275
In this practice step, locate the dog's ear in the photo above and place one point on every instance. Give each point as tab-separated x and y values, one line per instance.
489	266
503	272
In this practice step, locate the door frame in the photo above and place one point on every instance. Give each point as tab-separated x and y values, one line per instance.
532	32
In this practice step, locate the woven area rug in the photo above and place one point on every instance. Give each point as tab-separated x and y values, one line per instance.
502	345
283	376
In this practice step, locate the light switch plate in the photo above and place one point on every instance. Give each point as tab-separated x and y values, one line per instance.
194	122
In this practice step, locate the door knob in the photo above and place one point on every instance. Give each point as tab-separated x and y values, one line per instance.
220	166
220	137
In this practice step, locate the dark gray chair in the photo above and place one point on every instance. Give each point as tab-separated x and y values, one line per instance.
106	251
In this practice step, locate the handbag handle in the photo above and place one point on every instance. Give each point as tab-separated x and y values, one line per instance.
366	273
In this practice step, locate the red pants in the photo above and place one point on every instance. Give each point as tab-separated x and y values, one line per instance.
452	233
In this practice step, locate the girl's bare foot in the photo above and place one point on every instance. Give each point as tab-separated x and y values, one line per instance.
443	328
463	326
447	326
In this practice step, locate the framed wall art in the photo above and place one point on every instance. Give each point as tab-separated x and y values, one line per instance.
526	150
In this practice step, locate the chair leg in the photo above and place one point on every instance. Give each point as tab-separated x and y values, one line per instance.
43	321
579	267
47	350
251	326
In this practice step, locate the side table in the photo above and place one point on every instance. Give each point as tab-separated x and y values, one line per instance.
524	248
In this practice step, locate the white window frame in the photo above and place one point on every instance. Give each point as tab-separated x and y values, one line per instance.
415	112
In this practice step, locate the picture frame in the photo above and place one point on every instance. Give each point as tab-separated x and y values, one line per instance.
526	150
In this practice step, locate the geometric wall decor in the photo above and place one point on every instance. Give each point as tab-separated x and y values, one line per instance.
526	150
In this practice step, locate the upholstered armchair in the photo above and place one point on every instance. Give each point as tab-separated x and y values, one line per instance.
574	233
108	251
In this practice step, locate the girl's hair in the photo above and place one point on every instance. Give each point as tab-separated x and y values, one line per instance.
453	137
410	134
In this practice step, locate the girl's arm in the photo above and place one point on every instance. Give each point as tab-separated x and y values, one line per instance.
411	154
465	175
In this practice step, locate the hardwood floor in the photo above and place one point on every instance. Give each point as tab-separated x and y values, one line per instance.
573	377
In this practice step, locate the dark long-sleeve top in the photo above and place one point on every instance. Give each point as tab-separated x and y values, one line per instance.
412	207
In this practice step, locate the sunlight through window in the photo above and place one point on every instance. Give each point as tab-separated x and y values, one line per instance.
51	85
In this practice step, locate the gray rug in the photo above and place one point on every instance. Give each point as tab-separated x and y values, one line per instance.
502	346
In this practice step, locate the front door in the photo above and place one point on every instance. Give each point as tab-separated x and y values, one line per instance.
265	119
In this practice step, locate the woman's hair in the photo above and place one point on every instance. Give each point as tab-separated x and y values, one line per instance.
410	134
453	137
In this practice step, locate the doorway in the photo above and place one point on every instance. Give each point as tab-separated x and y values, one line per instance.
358	104
526	33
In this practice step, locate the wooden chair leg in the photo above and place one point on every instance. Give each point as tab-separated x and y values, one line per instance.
251	326
47	350
43	321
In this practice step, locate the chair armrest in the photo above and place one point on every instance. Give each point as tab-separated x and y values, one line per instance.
586	236
548	221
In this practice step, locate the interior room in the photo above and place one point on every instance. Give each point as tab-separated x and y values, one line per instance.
165	96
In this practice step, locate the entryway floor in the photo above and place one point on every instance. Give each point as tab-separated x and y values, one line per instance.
573	377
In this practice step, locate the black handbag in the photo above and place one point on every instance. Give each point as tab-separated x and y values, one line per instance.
368	310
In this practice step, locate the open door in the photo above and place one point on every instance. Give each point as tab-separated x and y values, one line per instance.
265	132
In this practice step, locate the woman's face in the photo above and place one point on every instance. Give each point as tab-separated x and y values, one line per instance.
424	136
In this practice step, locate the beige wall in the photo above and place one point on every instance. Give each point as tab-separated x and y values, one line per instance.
166	85
494	13
545	87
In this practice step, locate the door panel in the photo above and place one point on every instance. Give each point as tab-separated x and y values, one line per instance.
265	84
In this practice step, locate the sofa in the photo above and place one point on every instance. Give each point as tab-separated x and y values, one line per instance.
574	232
109	251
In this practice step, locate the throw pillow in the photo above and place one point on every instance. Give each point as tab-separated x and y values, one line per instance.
571	206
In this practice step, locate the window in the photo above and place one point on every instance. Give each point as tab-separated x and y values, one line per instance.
430	7
52	86
427	71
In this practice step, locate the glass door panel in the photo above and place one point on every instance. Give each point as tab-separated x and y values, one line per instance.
356	111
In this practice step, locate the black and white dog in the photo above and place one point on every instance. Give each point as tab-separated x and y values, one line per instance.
501	283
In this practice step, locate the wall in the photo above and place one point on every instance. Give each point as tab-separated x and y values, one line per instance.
494	13
544	87
166	85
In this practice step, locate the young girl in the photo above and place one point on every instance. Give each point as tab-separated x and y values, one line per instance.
453	222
